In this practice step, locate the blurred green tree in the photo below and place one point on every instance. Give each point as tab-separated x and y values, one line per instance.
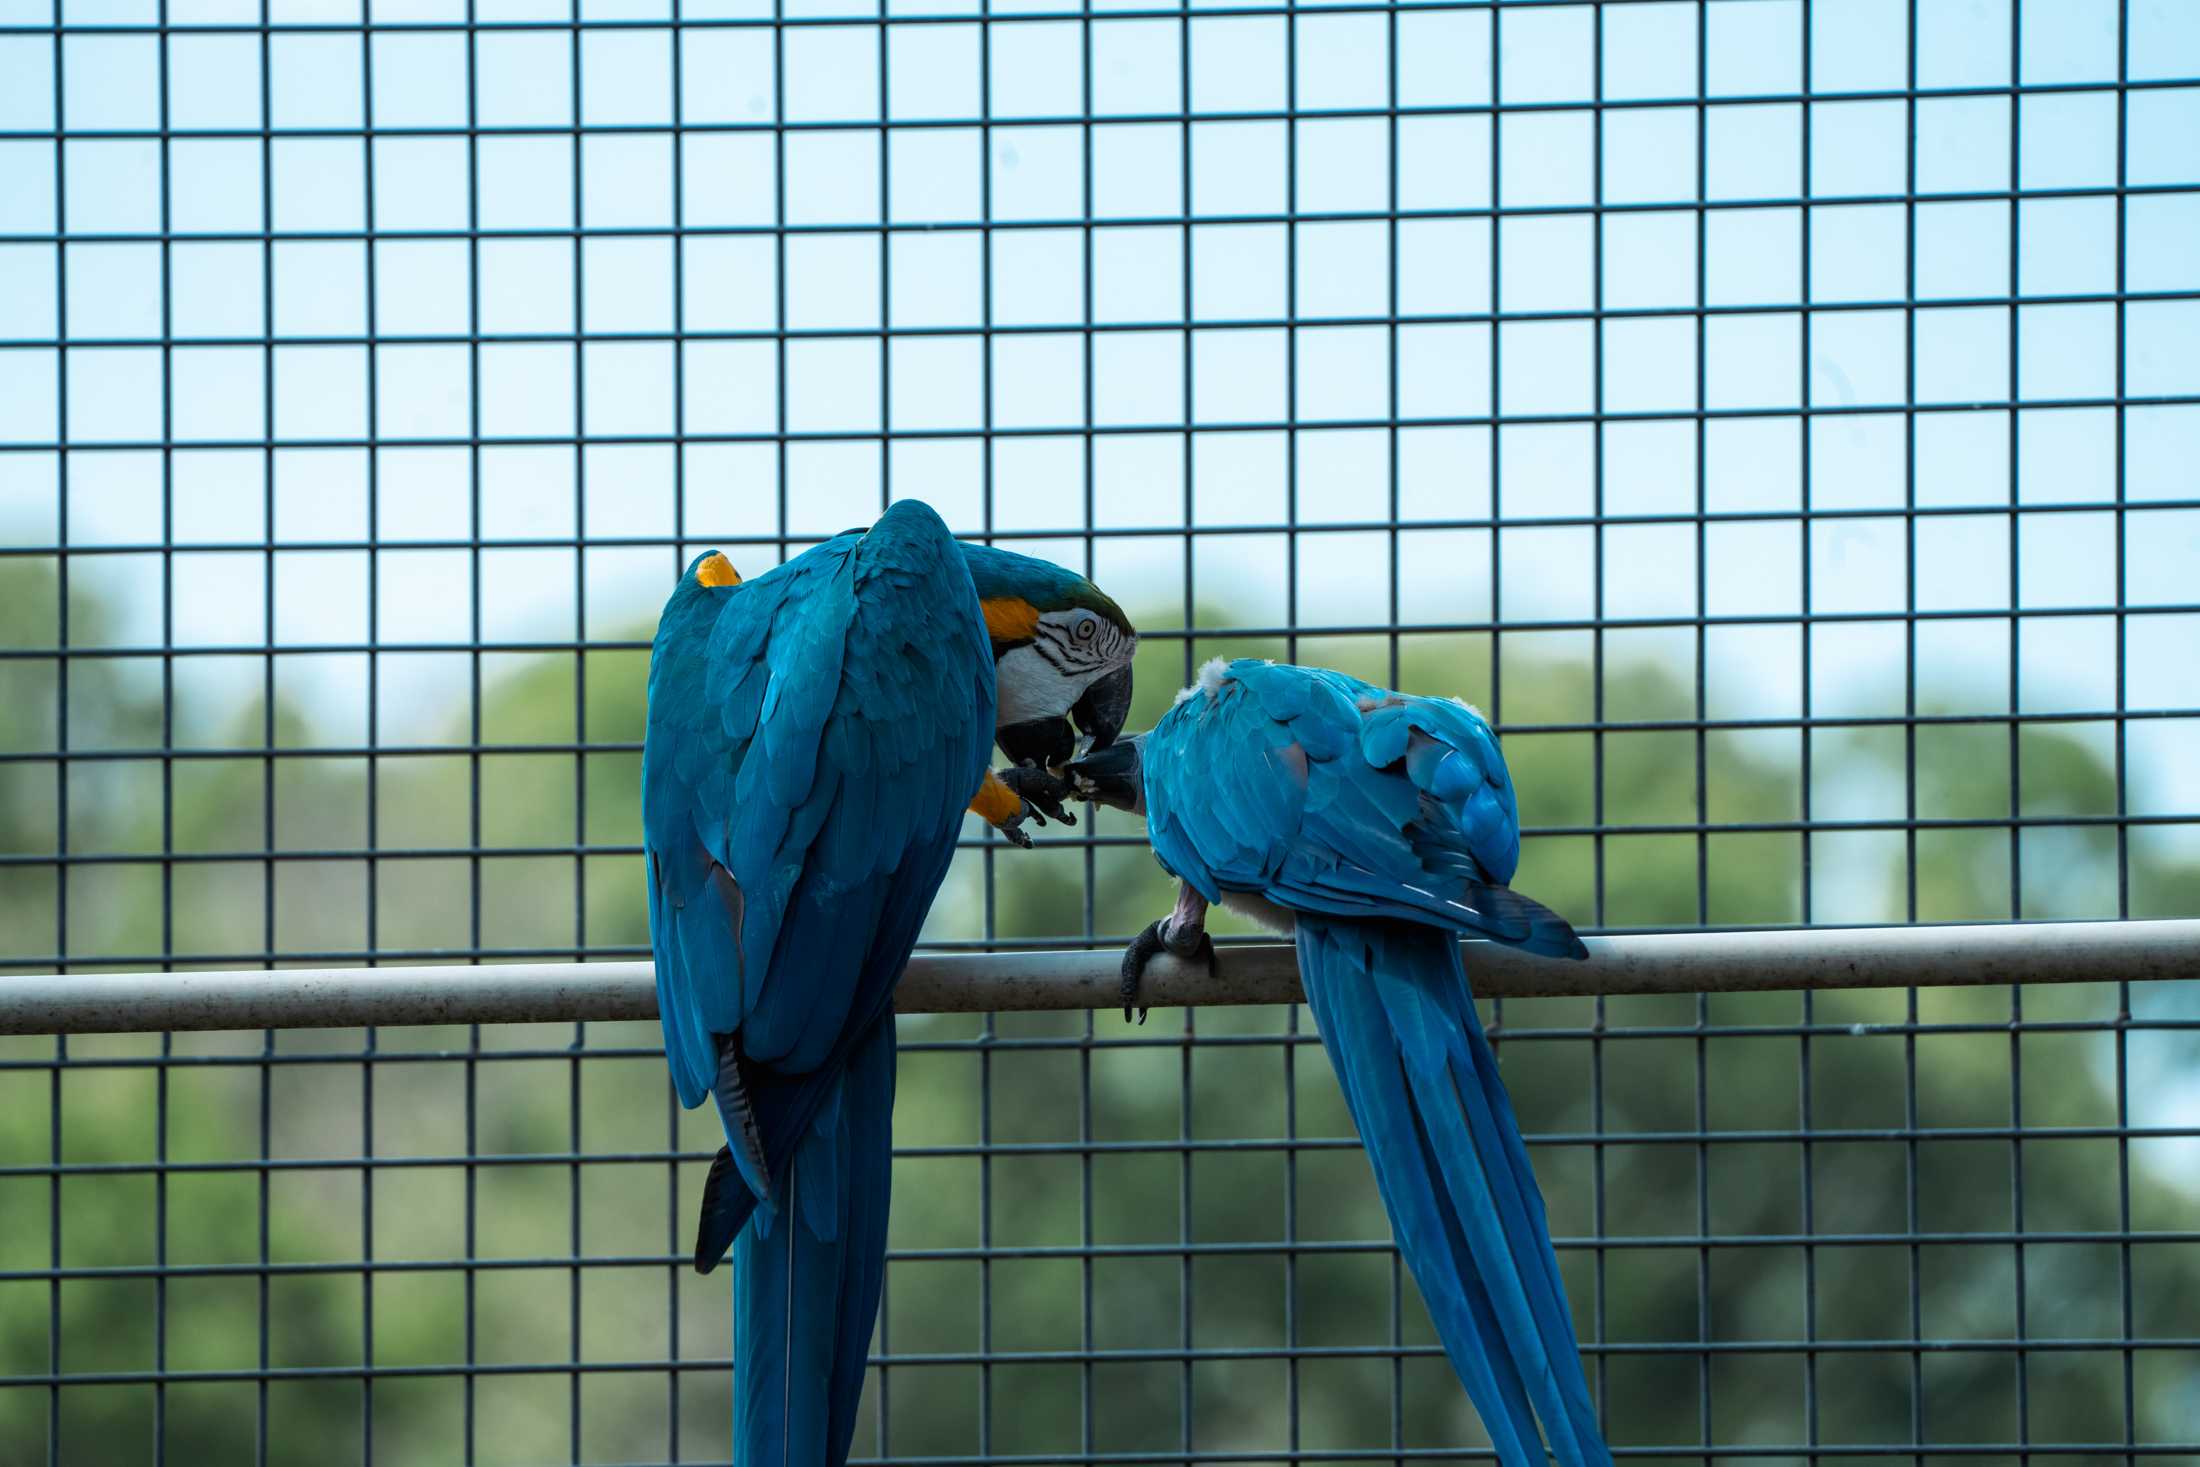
1084	1243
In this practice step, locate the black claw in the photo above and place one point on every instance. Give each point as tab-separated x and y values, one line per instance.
1143	949
1147	945
1042	792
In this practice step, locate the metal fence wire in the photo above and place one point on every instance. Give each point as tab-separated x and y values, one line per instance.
1780	416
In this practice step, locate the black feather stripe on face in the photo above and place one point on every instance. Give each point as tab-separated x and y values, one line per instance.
1063	652
1053	644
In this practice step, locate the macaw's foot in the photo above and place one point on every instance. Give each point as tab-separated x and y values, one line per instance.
1005	800
1135	958
1185	940
1041	792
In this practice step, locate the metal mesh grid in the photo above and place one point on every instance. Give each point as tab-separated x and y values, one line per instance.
1660	374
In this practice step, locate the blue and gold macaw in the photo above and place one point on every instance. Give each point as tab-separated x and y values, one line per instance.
814	737
1379	828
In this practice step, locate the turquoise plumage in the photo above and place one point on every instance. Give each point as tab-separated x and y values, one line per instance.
814	737
1378	828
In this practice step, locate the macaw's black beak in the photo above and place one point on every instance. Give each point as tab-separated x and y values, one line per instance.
1105	705
1113	775
1045	742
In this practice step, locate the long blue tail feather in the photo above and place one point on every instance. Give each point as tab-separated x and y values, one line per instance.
807	1273
1399	1024
868	1174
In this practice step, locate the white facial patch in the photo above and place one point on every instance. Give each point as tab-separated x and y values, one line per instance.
1028	686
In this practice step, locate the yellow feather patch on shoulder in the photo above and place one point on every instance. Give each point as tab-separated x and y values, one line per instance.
995	802
1010	618
716	570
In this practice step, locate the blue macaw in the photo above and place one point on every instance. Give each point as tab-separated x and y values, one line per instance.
1378	828
814	736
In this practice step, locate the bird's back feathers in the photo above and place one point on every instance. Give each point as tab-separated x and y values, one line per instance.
1387	824
1326	794
814	734
860	673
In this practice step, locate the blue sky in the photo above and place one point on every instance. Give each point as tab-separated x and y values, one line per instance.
585	321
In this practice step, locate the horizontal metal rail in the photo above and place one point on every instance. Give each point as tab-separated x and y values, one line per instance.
1677	962
1178	1355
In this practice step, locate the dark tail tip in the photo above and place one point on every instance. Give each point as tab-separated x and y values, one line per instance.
1552	936
731	1089
719	1223
1523	922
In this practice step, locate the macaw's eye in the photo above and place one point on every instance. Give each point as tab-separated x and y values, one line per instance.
1088	627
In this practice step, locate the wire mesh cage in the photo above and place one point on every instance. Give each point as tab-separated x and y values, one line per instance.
1780	416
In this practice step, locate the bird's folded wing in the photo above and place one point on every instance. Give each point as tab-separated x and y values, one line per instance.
810	757
1328	794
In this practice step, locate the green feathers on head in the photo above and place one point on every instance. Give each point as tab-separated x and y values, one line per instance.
1045	586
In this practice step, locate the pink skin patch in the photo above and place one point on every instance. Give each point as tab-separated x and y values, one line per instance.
1187	919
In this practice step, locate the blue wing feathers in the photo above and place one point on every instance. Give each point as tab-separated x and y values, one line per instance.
689	1058
1388	824
815	732
1328	794
851	675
